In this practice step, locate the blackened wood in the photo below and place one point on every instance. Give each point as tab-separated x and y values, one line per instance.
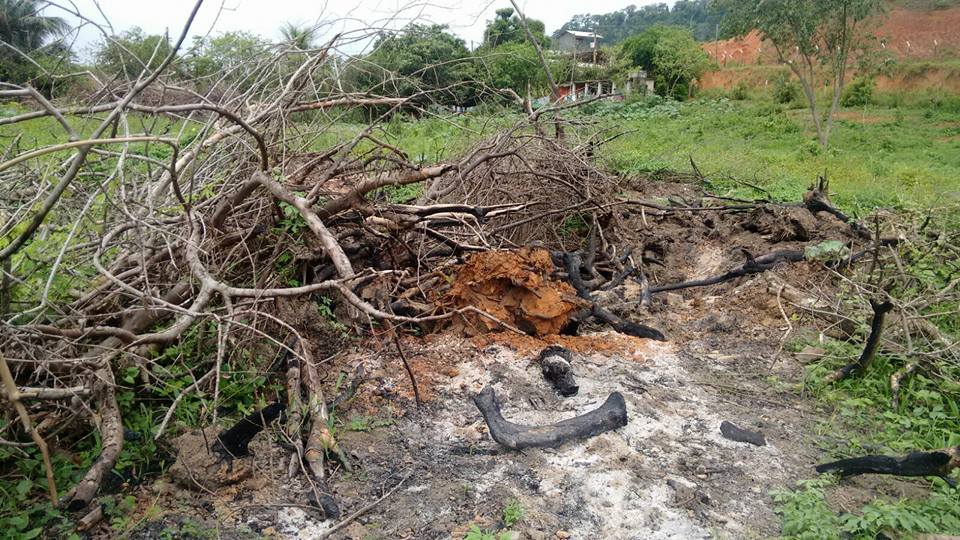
939	463
556	365
752	266
573	264
609	416
732	432
880	311
233	442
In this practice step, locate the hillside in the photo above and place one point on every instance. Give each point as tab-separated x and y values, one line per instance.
904	33
922	43
619	25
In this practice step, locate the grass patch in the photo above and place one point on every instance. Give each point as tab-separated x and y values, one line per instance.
879	156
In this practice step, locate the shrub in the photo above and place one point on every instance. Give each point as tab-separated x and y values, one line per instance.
740	91
858	93
785	90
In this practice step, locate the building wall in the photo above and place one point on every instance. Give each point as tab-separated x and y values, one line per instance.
566	42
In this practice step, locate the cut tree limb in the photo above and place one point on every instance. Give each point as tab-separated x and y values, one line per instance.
752	266
880	311
13	396
939	463
609	416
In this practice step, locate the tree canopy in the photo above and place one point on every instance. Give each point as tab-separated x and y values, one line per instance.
231	55
808	35
132	51
699	16
669	54
420	57
23	26
507	27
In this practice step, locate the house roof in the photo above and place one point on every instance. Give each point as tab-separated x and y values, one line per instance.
577	33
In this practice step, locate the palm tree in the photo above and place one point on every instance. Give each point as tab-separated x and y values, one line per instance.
301	36
22	25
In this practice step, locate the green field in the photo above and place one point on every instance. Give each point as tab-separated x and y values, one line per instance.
879	156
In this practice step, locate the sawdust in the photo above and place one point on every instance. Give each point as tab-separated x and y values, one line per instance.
515	287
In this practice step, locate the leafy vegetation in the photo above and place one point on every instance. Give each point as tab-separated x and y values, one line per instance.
699	16
901	157
507	27
670	55
28	31
808	36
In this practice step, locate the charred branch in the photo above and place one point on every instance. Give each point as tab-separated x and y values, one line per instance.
233	442
609	416
880	311
939	463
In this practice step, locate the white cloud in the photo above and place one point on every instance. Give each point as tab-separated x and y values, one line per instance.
465	18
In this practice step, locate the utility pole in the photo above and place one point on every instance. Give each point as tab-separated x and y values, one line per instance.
716	44
594	45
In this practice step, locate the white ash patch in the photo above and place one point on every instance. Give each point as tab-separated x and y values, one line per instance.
615	485
294	524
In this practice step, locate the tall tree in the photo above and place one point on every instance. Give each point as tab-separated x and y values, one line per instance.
507	27
23	26
669	54
300	36
809	36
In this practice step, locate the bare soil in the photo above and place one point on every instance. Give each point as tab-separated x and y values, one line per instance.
668	474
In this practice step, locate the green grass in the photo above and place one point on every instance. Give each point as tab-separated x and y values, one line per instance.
893	157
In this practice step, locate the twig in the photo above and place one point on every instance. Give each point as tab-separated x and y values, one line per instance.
413	380
13	395
349	519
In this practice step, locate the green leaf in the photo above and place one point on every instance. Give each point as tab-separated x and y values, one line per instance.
23	487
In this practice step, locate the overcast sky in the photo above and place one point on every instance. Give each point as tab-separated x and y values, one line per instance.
465	17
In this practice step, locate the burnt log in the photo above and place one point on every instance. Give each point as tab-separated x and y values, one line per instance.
233	442
556	364
734	433
572	264
752	266
609	416
880	311
939	463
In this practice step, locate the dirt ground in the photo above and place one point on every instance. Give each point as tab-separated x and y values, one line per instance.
667	474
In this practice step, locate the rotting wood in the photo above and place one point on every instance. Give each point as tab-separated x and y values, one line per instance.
607	417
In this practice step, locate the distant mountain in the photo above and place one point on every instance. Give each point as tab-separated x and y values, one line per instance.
697	15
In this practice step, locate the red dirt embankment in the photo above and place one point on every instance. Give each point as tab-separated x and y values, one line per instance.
905	33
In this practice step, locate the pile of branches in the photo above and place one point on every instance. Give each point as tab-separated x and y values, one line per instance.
897	297
140	235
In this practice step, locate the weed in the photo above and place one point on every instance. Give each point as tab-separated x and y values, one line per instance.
476	533
512	513
366	423
859	93
785	90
